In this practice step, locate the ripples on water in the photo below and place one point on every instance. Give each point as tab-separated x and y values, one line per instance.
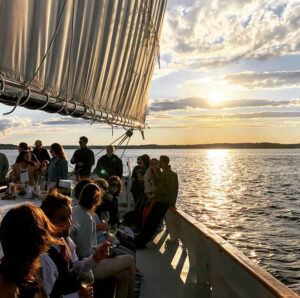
251	198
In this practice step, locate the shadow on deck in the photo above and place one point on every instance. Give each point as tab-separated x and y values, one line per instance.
165	266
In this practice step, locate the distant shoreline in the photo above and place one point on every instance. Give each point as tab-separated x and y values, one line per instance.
263	145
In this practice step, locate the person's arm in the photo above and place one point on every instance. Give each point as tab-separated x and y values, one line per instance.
48	273
47	156
15	174
91	160
82	235
4	168
74	158
120	168
63	169
147	182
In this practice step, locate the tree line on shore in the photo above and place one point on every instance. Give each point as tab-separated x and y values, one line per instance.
263	145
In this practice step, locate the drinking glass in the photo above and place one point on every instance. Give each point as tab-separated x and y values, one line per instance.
112	229
105	216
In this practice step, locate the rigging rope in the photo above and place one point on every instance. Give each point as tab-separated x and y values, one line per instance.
20	95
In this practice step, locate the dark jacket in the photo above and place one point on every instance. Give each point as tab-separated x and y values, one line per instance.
109	166
86	156
3	166
167	188
42	154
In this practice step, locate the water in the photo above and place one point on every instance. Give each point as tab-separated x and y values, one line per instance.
251	198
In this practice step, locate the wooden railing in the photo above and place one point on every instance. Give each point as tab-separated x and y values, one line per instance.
217	268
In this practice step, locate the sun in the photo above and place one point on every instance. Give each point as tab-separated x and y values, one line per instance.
216	97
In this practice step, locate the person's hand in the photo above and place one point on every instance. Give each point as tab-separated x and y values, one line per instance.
102	252
102	226
86	291
45	163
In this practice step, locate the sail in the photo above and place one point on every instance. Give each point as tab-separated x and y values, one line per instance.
94	56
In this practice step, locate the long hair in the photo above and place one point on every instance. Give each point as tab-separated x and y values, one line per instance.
25	233
59	150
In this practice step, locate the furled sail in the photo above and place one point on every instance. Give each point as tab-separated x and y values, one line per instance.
91	59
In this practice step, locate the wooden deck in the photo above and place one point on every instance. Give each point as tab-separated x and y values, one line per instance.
165	267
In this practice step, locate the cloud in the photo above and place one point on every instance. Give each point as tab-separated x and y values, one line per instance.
63	121
267	114
204	34
8	125
201	103
266	80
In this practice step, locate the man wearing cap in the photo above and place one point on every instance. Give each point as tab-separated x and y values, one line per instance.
109	164
41	153
84	159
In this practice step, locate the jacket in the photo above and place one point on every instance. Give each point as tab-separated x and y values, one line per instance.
167	187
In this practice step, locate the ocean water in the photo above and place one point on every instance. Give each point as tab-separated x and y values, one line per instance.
250	197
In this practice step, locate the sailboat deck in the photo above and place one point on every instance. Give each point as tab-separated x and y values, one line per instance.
165	267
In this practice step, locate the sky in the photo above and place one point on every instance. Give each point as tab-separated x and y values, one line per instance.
229	73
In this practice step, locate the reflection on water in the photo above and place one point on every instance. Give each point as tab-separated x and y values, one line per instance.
251	198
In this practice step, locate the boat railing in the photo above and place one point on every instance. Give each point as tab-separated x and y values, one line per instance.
216	268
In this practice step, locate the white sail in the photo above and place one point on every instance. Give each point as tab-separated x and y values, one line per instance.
102	55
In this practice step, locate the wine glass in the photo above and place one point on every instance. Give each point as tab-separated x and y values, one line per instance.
105	216
112	229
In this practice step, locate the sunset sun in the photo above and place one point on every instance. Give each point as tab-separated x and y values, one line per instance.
216	97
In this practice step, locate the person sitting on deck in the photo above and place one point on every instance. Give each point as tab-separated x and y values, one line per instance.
58	166
84	159
83	233
25	233
110	203
62	272
102	227
166	195
109	164
23	171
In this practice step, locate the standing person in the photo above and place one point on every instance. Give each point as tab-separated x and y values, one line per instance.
3	168
41	153
84	159
26	225
137	185
109	164
166	195
58	166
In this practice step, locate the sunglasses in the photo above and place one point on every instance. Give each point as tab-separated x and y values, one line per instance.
115	184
